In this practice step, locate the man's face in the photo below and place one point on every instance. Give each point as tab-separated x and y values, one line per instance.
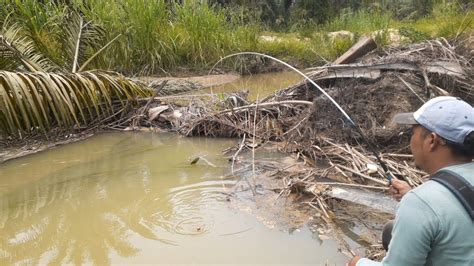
417	145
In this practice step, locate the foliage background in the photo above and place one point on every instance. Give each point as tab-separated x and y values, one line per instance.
151	37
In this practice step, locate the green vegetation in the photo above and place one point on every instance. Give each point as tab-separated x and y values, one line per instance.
138	37
446	20
152	36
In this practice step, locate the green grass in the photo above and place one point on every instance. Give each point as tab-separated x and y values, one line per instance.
313	47
362	21
445	21
144	44
41	23
160	36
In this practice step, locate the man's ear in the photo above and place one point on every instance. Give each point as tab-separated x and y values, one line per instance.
435	141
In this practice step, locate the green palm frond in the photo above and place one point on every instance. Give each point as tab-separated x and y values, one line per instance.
38	101
18	51
81	39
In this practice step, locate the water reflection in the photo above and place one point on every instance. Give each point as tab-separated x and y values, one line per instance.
86	210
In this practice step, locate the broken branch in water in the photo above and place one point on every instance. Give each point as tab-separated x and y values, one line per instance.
234	157
253	146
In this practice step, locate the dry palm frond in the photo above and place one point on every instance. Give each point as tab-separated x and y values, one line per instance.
38	101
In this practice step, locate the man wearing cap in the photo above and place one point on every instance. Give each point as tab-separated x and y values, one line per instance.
434	224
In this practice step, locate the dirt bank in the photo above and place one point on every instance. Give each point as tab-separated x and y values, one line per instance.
12	149
203	81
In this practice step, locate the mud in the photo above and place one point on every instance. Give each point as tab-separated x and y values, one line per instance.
13	149
199	82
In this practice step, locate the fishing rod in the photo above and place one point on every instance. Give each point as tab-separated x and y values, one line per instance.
388	175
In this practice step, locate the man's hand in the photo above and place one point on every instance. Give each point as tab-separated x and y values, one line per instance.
353	261
398	188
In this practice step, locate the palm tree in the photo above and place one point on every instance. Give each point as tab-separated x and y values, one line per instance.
38	100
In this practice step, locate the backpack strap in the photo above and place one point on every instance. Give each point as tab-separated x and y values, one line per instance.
459	186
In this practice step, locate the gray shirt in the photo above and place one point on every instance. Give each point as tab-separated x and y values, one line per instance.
431	227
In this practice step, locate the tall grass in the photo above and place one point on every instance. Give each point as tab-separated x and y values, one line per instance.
161	35
362	21
447	20
145	44
201	32
41	22
154	36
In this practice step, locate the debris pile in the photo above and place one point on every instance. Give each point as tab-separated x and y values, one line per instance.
371	90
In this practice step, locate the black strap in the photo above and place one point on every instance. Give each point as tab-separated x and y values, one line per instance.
459	186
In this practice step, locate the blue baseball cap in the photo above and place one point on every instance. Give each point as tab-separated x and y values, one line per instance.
449	117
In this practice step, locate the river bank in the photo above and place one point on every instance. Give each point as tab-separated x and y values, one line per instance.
288	215
328	153
182	82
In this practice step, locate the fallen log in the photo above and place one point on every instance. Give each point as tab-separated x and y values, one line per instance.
362	47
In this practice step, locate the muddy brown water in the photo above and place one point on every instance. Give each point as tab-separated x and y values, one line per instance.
259	85
134	198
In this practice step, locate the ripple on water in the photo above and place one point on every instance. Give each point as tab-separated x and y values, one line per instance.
189	215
